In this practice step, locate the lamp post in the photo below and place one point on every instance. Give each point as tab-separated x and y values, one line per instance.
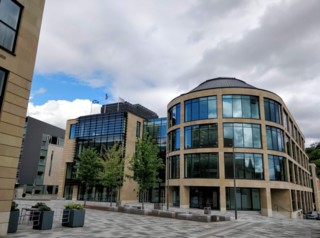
168	176
234	179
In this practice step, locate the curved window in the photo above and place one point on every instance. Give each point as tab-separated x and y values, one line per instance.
275	138
174	167
201	136
174	140
240	106
277	168
285	119
272	111
201	165
241	135
288	145
246	198
174	115
200	108
248	166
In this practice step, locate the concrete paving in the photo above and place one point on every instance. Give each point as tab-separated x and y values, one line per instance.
114	224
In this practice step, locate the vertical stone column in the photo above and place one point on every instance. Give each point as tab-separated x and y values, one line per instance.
75	192
184	197
266	205
223	199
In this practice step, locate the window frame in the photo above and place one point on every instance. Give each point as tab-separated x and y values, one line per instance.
208	153
184	142
6	74
283	139
16	31
190	100
280	113
138	129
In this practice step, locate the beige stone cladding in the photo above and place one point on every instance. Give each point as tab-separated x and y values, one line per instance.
53	165
315	184
67	156
20	66
269	190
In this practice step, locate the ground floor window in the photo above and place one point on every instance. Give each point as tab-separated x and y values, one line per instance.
68	190
247	198
98	194
176	196
155	194
201	197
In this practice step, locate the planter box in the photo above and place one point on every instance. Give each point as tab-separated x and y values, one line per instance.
118	204
185	216
120	209
113	209
141	212
76	218
167	214
45	222
13	221
201	218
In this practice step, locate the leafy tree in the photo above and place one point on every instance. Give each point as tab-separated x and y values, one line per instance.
145	164
313	153
87	169
113	167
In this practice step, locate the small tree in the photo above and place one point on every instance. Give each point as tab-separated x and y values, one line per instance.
87	169
113	167
145	164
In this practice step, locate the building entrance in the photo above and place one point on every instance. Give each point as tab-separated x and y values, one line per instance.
176	196
201	197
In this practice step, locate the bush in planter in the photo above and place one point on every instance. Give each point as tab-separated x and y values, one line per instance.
45	218
39	204
73	215
14	218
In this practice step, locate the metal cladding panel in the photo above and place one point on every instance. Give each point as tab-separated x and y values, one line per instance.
32	147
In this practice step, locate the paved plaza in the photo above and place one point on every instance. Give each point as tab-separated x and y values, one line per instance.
114	224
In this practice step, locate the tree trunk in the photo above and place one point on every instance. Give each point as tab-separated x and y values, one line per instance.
143	197
85	196
118	193
111	198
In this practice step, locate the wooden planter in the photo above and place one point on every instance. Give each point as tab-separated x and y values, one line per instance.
76	218
45	222
13	221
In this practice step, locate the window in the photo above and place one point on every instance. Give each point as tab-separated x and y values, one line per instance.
293	197
201	165
10	12
296	174
247	198
3	76
291	127
201	136
72	131
174	167
240	106
138	129
298	155
293	147
200	108
285	118
174	115
248	166
288	145
295	134
277	168
272	111
274	138
242	135
51	163
174	140
290	172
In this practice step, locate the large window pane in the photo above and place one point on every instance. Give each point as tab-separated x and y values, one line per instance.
246	109
203	136
174	140
212	107
258	166
272	111
195	109
272	174
240	106
187	137
228	136
249	165
187	112
227	106
256	199
245	135
228	165
255	108
9	13
238	137
246	198
274	138
7	36
174	115
240	165
236	108
277	168
201	108
205	165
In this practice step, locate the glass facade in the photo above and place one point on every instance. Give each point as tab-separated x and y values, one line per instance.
277	168
291	172
10	13
291	127
248	166
293	150
138	129
246	199
201	197
174	167
174	140
272	111
288	145
240	106
275	139
2	85
204	165
293	197
243	135
285	120
174	115
200	108
72	134
201	136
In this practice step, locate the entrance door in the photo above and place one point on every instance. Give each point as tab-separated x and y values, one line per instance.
176	196
201	197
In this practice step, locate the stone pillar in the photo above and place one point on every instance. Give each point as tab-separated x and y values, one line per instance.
265	199
184	197
75	192
223	199
44	189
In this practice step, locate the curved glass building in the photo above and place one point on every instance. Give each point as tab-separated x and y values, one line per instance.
226	119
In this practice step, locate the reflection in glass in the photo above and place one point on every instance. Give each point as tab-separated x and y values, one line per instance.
240	106
204	165
274	138
245	135
174	140
174	115
7	36
200	108
247	198
277	168
201	136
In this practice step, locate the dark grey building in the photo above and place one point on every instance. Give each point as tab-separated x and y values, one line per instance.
37	137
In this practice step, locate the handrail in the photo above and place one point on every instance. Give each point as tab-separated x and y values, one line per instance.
282	208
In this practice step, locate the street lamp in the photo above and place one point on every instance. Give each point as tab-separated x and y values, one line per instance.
234	179
168	176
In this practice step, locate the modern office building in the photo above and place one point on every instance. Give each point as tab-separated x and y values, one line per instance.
226	117
118	123
315	185
20	23
40	157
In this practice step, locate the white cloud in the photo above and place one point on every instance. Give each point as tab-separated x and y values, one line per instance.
41	90
58	112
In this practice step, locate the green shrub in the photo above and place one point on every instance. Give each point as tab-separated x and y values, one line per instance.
14	206
44	208
38	205
74	206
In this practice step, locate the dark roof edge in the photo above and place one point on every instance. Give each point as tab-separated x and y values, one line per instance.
219	78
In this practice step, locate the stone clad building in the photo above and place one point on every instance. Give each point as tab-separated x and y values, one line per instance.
20	23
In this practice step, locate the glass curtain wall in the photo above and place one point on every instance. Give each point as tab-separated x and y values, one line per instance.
285	119
293	150
291	172
201	136
201	197
288	145
247	198
200	108
275	139
174	167
291	127
293	197
272	110
277	168
174	140
248	166
240	106
201	165
174	115
244	135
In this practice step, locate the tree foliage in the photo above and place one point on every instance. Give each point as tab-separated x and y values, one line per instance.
313	153
113	163
145	164
87	169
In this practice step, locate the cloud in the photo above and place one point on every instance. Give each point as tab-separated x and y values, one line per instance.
58	112
41	90
149	52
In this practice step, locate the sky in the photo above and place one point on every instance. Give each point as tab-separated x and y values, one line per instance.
151	51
